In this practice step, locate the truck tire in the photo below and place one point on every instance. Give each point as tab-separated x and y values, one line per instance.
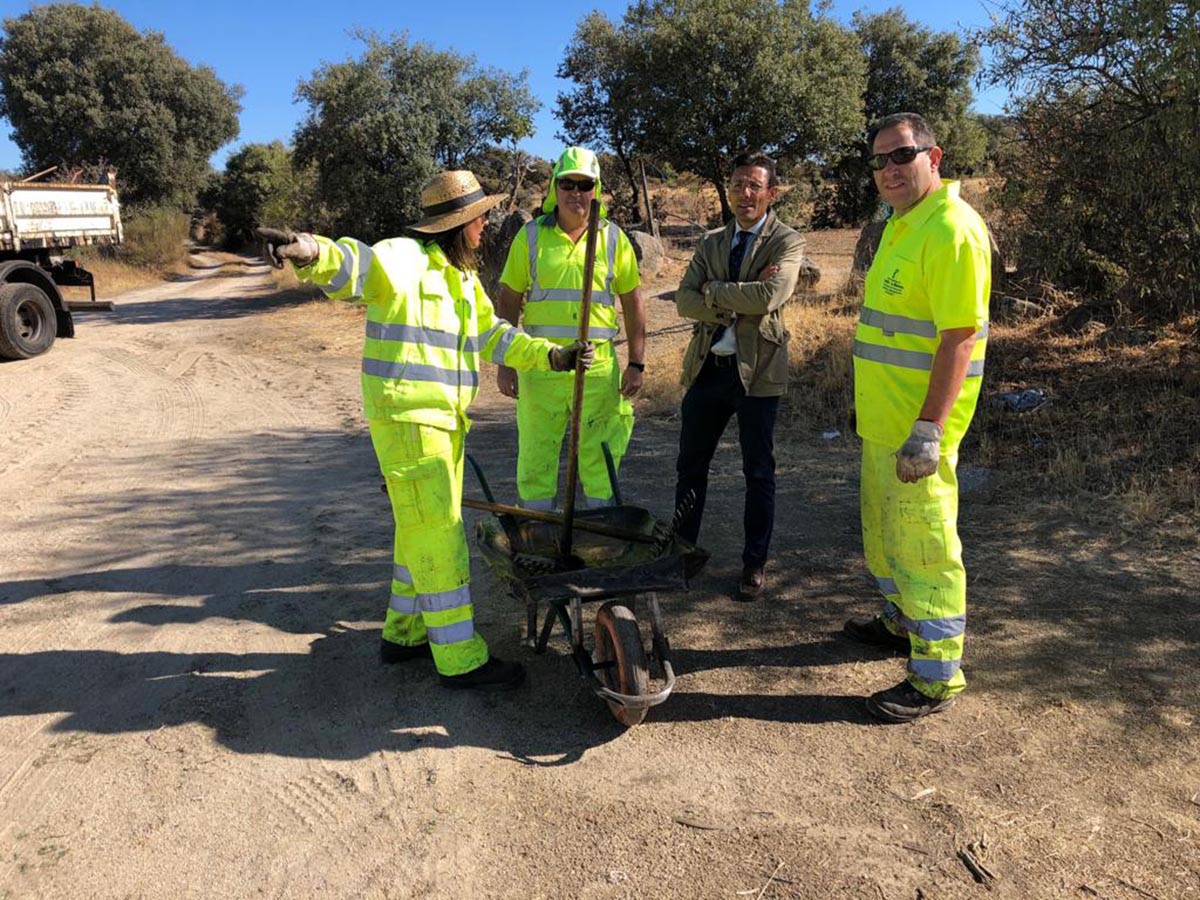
28	325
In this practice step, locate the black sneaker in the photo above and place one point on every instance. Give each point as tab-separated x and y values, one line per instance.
493	675
904	703
871	630
391	652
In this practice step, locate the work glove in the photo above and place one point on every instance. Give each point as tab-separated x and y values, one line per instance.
563	359
917	458
299	247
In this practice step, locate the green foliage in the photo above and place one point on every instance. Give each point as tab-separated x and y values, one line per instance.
81	86
380	125
156	237
909	69
261	186
1103	191
698	81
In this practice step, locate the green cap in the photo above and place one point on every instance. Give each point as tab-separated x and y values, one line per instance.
575	161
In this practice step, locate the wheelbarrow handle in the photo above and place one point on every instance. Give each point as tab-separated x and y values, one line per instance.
538	515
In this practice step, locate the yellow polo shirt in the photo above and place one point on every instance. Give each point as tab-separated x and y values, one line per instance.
932	272
560	266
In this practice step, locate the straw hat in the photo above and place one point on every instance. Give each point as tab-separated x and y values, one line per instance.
450	199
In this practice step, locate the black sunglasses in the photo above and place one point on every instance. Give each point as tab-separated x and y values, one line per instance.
901	156
576	185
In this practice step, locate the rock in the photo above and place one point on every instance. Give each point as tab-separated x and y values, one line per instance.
809	275
649	252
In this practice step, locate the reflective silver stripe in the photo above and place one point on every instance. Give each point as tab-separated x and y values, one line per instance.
531	233
451	634
445	600
342	276
887	586
414	372
936	629
540	505
893	356
570	331
934	669
401	574
569	295
412	334
612	261
404	604
983	332
597	503
975	368
892	324
500	351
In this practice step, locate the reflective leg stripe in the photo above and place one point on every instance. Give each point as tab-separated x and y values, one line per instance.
451	634
934	670
569	331
887	587
401	574
907	359
405	604
936	629
442	601
539	505
893	324
380	368
598	502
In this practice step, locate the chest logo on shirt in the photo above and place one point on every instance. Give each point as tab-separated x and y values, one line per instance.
892	285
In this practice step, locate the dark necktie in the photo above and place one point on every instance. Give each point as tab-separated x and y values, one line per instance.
737	253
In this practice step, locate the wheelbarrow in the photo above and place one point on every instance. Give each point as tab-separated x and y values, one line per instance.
621	555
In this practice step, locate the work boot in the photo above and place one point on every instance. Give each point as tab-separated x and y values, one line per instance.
752	583
390	652
493	675
872	630
904	703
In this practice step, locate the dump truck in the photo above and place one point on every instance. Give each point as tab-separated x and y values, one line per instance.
39	223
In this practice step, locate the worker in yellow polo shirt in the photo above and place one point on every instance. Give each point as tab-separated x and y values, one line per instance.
541	288
918	364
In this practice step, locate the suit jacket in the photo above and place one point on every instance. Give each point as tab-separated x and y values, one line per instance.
762	338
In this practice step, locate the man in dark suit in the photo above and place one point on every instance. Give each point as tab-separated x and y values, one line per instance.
737	362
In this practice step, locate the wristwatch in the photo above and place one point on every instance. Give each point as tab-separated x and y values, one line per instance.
641	367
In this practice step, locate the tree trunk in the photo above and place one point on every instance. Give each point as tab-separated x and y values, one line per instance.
719	184
627	165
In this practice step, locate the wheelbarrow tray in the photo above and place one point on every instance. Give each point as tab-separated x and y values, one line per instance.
606	567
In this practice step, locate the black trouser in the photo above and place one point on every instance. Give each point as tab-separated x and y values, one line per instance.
715	396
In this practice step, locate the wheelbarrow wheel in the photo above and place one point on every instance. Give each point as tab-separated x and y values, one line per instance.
618	642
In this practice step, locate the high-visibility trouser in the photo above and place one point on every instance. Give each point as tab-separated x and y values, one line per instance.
910	538
431	572
543	413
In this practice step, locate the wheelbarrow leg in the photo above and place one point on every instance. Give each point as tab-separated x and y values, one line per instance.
662	647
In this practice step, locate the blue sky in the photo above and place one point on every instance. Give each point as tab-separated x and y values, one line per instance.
268	48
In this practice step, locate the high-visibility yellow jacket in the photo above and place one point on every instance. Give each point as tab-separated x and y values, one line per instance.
542	254
932	273
428	325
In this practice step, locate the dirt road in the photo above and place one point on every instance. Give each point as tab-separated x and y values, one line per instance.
193	564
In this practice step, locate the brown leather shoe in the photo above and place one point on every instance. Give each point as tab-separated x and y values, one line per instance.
751	586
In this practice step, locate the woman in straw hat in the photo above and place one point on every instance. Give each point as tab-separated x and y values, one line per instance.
429	323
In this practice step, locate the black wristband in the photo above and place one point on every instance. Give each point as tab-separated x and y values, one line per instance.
641	367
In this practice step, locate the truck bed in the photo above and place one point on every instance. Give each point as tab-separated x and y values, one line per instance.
37	216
